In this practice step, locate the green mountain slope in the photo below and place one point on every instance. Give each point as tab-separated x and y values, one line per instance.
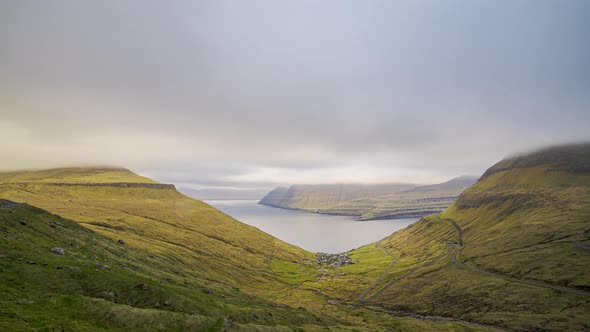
100	284
509	252
203	269
369	201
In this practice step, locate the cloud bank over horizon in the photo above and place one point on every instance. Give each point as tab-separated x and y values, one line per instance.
248	95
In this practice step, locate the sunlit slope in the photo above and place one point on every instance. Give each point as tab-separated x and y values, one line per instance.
102	285
526	214
200	239
76	175
509	252
178	247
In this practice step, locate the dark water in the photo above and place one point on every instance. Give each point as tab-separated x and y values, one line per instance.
311	231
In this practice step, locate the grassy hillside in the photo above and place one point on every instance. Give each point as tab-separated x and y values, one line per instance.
95	285
75	175
509	252
369	201
204	270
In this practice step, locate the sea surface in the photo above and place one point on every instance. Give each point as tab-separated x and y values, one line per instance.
310	231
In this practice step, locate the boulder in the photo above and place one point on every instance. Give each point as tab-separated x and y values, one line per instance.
120	242
58	250
75	269
142	286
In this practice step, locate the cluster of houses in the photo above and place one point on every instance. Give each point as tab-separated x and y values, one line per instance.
333	260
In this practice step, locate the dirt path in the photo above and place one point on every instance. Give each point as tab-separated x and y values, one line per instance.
373	285
430	262
457	248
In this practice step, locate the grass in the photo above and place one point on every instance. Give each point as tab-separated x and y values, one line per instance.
521	221
176	245
51	293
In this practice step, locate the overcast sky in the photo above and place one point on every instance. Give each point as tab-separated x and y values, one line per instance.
249	94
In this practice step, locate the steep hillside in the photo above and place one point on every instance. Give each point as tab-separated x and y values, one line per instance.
369	201
141	256
512	251
321	196
95	283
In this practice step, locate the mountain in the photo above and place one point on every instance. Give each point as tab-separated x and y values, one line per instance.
139	255
370	201
511	251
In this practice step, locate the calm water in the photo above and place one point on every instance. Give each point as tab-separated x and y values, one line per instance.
311	231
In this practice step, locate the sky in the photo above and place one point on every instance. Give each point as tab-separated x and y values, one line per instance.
235	97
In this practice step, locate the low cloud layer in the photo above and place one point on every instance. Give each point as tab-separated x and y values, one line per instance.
247	95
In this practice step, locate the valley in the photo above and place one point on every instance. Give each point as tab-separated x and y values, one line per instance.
506	255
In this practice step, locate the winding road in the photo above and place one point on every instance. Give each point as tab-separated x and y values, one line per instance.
453	251
362	297
457	249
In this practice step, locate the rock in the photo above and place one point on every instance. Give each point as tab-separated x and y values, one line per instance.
23	223
228	323
104	267
31	262
167	303
2	255
255	315
58	250
109	295
142	286
75	269
59	267
157	305
120	242
207	290
332	302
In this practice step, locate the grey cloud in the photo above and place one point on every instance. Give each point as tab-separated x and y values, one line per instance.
215	90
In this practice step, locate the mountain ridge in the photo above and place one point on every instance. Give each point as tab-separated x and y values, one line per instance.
387	201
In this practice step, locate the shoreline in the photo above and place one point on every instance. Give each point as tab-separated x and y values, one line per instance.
358	217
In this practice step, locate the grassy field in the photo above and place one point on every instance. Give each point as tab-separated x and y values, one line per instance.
177	246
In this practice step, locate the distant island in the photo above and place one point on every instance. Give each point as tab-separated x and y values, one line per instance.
371	201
